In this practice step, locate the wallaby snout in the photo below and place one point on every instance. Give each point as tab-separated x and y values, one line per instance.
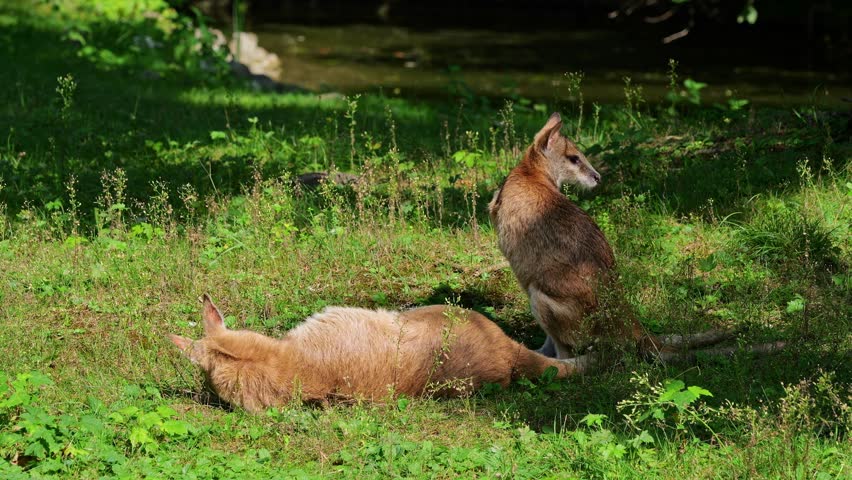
590	179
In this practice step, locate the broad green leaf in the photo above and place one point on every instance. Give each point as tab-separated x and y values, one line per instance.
165	411
593	419
38	379
525	434
91	424
35	449
150	419
796	305
683	398
612	450
641	439
748	15
71	451
175	428
672	388
549	374
699	392
18	397
140	436
263	455
736	104
693	85
129	411
580	437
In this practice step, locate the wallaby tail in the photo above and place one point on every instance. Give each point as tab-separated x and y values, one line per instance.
696	340
585	363
692	355
661	344
683	348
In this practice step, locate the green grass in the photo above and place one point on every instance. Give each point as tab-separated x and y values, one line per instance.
124	199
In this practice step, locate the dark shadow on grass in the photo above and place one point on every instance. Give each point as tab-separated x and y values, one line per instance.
523	330
473	299
203	397
746	380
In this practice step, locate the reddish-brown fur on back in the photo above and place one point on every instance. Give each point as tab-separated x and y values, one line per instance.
349	353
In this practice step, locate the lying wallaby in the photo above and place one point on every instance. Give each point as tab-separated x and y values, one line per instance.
557	252
352	353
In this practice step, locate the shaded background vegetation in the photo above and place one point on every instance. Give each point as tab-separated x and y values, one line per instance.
783	33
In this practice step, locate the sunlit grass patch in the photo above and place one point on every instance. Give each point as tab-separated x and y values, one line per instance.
781	230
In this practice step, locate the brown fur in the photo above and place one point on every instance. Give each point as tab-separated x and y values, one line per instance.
557	252
352	353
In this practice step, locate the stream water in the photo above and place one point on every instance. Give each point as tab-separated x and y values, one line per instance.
432	62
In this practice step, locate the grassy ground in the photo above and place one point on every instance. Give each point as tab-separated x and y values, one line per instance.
137	182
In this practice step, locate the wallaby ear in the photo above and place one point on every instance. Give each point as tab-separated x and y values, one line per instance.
213	319
548	134
182	343
219	349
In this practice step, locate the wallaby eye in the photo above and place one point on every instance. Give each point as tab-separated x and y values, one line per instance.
575	159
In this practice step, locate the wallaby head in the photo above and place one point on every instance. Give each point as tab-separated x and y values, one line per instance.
564	162
239	365
219	346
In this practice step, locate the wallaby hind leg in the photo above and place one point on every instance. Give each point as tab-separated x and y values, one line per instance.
531	364
548	349
582	363
559	319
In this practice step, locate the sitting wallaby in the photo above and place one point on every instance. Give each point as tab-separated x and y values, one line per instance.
556	251
353	353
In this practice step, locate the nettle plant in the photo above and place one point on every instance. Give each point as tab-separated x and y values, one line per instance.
37	440
652	408
139	436
666	406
